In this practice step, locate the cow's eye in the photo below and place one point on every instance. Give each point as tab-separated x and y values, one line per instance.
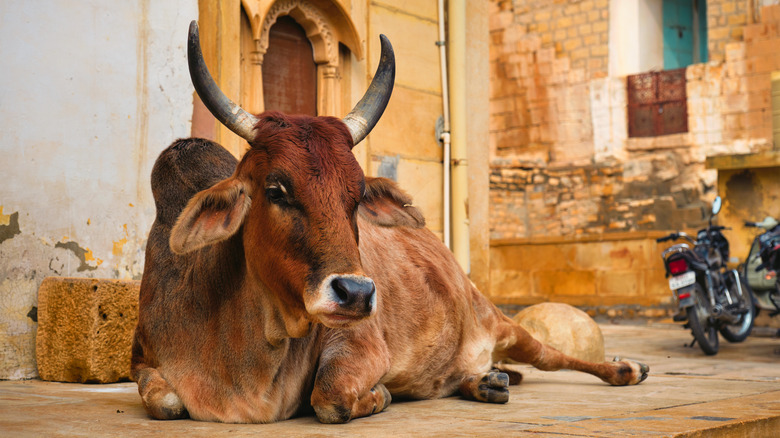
276	195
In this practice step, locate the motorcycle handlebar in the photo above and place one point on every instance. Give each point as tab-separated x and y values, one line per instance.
667	238
751	224
675	236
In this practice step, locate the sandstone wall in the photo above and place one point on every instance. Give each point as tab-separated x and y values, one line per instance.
562	166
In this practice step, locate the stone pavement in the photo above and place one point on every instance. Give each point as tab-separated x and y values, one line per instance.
736	393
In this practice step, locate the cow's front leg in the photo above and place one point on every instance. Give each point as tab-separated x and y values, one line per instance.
341	406
158	397
347	383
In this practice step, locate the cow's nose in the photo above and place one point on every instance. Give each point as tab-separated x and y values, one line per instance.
356	293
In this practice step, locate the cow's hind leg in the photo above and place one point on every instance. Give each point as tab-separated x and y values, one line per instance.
158	397
517	344
490	387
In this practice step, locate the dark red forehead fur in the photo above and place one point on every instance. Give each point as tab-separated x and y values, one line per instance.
323	138
310	150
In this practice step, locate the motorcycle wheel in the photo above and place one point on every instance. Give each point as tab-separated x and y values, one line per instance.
704	331
739	332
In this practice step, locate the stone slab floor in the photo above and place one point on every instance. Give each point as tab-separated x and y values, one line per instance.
734	394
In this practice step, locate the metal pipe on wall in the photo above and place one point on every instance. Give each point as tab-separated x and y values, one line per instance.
445	135
458	114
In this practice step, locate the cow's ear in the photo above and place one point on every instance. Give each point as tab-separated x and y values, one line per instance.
386	205
211	216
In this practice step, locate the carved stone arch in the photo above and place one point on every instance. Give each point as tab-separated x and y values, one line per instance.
318	29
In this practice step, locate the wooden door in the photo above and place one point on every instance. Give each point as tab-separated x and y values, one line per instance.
289	71
678	33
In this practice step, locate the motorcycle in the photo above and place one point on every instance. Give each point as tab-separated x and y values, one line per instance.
762	264
710	297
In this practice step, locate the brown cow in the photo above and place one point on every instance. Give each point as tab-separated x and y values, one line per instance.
288	281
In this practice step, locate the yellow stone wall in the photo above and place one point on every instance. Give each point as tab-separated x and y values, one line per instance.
406	130
611	270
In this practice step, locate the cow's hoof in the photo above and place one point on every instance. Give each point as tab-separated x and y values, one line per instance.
629	372
166	406
512	370
382	397
374	401
493	388
158	397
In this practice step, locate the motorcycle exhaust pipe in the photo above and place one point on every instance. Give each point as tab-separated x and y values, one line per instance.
717	312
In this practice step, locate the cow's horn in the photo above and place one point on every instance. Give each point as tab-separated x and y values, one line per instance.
224	109
363	117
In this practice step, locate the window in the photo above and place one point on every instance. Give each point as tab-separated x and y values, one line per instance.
657	103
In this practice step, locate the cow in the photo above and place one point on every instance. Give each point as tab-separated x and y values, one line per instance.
289	283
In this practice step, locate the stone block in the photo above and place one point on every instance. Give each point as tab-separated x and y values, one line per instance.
620	283
413	36
565	328
85	329
408	126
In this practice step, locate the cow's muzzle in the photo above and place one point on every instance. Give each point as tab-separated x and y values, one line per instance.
357	294
344	299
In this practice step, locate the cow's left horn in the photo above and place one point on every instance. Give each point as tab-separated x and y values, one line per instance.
363	117
224	109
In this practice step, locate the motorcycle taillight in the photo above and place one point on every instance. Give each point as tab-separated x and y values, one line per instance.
678	266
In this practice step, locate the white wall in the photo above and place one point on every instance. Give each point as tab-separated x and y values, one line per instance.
635	36
90	93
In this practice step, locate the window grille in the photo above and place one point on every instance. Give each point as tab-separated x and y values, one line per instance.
657	103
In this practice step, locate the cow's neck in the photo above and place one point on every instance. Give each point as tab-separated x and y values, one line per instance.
281	321
235	285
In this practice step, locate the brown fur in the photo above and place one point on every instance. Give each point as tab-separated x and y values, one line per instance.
239	323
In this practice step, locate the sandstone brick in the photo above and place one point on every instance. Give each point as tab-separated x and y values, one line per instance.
620	283
85	329
770	13
736	20
564	22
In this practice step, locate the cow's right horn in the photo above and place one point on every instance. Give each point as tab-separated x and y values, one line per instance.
363	117
224	109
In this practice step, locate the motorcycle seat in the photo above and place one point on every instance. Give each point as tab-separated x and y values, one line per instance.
696	261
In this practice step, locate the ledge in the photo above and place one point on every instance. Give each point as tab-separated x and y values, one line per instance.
769	158
606	237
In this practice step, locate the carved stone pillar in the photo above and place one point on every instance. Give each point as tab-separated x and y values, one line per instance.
255	90
328	90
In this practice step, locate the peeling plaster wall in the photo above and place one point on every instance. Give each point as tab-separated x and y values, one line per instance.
90	96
